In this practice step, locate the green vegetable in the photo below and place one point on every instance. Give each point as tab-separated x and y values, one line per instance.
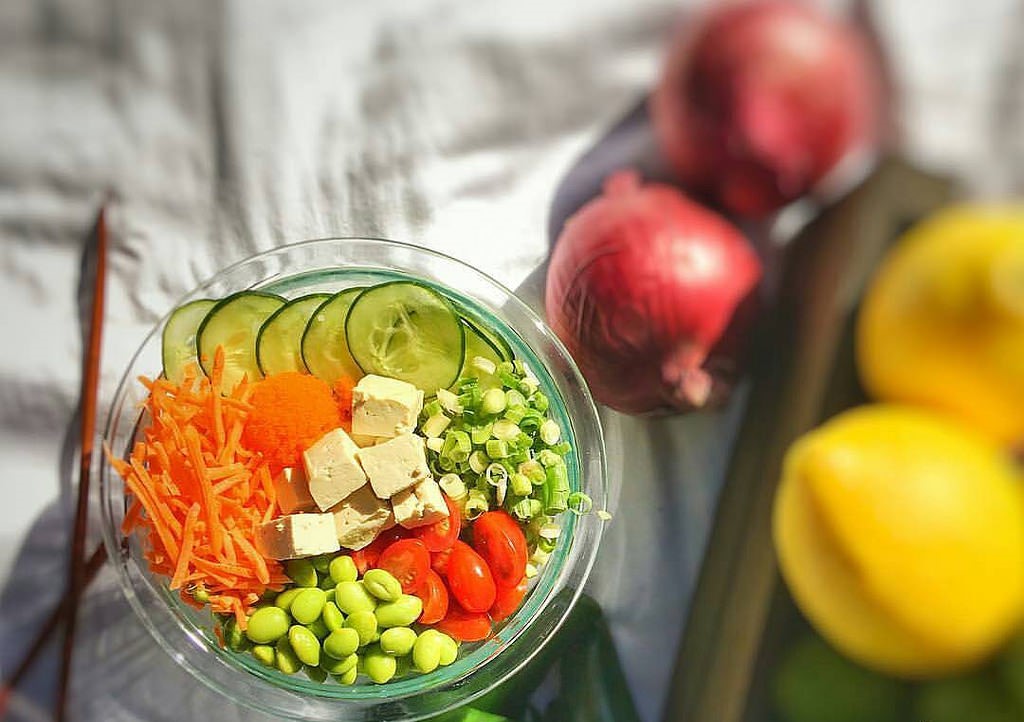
449	649
426	652
365	624
286	660
379	667
318	628
397	641
234	637
307	605
178	342
301	572
316	674
349	677
234	324
267	624
382	585
400	613
341	643
323	346
352	597
343	569
305	645
279	342
339	666
284	599
332	616
264	654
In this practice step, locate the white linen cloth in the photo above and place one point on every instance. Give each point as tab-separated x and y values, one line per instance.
228	127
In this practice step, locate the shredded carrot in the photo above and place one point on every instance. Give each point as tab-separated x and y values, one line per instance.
199	491
343	395
290	412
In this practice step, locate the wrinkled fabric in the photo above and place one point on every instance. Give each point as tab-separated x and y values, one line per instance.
228	127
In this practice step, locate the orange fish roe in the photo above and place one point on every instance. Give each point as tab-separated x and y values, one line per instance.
290	411
343	393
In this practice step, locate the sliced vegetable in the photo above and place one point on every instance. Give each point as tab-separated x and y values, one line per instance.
434	594
508	600
499	539
233	324
483	345
442	534
179	337
406	331
470	580
324	348
279	343
464	626
408	561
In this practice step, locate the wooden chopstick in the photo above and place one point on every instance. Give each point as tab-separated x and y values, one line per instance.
95	563
89	392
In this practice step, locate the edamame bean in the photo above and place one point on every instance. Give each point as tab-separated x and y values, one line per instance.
378	666
318	628
339	666
365	624
397	641
284	599
348	677
267	624
402	666
332	616
264	654
400	613
305	645
308	604
326	583
426	653
343	569
449	649
381	584
352	597
316	674
342	643
286	660
321	563
301	572
234	637
330	594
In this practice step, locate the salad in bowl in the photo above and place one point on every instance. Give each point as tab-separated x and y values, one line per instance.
370	488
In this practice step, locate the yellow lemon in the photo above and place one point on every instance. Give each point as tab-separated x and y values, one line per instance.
942	324
900	534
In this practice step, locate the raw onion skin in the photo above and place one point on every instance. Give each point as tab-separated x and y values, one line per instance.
655	297
759	101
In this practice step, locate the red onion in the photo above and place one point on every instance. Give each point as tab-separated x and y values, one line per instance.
762	100
654	296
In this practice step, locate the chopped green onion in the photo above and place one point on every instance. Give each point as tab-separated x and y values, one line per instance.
546	545
521	484
495	473
515	415
604	515
556	490
540	402
457	446
484	365
550	458
529	385
493	402
549	531
533	470
449	401
496	448
480	434
470	398
453	486
579	503
435	425
478	461
531	571
562	449
431	408
550	433
514	399
505	430
435	444
476	504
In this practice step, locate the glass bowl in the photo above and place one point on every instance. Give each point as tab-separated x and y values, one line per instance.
187	635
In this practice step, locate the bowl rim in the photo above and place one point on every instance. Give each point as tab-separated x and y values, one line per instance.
116	543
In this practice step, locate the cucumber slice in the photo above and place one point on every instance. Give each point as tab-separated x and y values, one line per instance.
324	350
234	324
494	340
279	343
178	342
407	331
479	345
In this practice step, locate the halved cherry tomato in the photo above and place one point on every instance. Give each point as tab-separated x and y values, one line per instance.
498	538
442	534
507	601
439	562
469	579
367	557
464	626
408	561
435	599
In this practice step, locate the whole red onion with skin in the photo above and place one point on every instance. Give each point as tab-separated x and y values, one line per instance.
654	296
760	101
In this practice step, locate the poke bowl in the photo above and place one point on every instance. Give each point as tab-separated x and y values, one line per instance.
458	430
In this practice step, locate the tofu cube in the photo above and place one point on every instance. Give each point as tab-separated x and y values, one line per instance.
332	468
384	407
292	491
363	441
297	535
360	518
421	505
395	465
